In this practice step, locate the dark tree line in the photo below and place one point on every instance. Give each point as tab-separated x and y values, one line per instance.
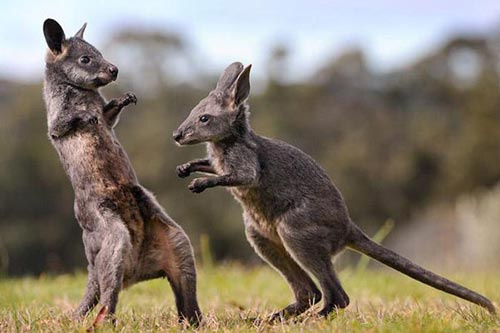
395	143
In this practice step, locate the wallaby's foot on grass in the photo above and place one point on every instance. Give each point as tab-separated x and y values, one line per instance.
298	307
194	321
290	311
338	300
100	318
329	308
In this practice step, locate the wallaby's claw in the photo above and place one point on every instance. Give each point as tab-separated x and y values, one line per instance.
129	98
93	120
198	185
282	315
87	118
276	317
183	170
132	97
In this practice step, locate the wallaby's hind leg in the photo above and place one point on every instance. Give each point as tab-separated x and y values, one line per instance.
315	255
305	291
170	252
91	296
177	261
109	265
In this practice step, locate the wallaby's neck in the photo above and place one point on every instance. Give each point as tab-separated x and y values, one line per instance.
241	126
241	132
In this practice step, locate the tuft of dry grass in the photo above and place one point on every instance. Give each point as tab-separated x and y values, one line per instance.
239	299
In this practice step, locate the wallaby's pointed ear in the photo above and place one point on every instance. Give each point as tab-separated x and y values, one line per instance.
242	86
54	35
228	77
80	32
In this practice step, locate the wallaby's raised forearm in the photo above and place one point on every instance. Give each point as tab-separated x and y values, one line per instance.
198	185
294	216
67	123
114	107
198	165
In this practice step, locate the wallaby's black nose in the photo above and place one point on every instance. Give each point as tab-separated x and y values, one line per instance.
113	70
177	136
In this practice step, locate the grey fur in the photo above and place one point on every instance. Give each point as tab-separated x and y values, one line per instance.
295	218
127	235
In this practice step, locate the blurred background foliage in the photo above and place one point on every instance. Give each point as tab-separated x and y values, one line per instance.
419	145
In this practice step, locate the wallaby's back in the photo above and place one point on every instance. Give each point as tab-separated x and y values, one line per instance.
289	179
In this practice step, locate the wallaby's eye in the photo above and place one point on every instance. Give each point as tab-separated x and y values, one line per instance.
204	118
84	60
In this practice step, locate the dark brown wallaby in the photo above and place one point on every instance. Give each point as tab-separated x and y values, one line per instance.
295	218
127	235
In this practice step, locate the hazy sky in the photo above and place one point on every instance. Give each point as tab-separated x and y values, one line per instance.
392	32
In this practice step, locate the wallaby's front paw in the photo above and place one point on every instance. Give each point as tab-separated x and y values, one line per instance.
93	120
183	170
87	118
198	185
127	99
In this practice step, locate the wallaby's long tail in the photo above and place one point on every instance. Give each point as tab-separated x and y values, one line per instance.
359	241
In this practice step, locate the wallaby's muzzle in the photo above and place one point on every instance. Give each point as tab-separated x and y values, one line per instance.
107	75
177	136
113	71
184	136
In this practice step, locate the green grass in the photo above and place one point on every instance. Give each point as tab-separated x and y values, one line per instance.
231	296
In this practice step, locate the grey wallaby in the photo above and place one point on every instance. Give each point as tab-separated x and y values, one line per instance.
295	218
127	235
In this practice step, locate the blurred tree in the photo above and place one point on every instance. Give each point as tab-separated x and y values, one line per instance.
151	60
395	143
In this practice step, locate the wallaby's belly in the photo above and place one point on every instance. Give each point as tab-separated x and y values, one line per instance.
103	179
264	209
267	205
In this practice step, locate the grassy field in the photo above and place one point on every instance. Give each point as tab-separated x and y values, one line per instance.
232	296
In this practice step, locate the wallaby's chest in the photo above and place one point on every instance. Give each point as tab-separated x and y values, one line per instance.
94	160
259	202
86	144
254	218
219	159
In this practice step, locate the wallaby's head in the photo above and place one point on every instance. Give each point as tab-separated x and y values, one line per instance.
75	61
222	113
